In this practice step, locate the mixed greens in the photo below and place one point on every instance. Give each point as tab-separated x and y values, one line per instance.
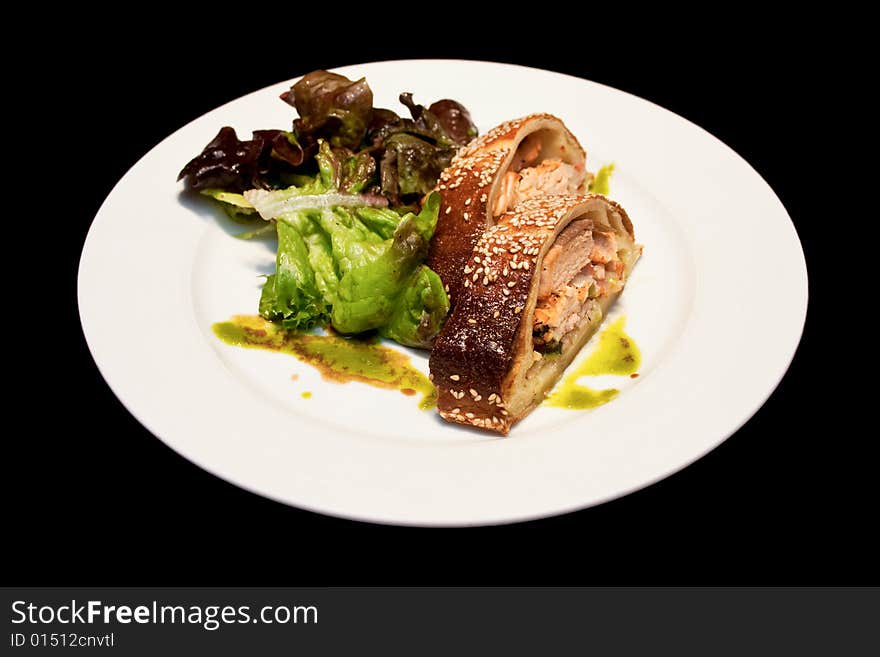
354	266
341	192
401	158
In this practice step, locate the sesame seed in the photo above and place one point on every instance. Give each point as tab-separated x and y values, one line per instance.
455	377
456	411
467	201
469	416
511	283
471	320
496	314
448	209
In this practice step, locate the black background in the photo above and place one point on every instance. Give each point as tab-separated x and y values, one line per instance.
93	498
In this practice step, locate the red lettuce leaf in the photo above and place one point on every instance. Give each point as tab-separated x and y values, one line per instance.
233	165
455	120
408	154
331	107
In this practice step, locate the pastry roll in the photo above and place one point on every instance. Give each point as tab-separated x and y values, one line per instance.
517	160
535	288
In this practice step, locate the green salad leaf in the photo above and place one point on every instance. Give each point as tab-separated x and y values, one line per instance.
410	166
377	272
420	310
234	205
291	294
344	259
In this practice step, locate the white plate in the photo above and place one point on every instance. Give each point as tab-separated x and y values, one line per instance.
717	305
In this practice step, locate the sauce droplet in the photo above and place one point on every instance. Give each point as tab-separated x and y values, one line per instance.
616	354
601	184
338	359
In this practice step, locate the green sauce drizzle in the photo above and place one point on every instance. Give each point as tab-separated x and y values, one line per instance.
602	182
338	359
616	353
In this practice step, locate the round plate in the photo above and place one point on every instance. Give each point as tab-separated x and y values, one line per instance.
717	304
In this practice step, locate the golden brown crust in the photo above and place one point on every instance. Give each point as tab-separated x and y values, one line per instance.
509	134
467	188
464	207
483	337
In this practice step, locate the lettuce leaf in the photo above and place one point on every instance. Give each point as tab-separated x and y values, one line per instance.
291	294
376	273
455	120
375	151
236	206
266	230
341	175
357	267
230	164
419	312
332	107
411	166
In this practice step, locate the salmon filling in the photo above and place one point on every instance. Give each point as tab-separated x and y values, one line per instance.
580	268
528	177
